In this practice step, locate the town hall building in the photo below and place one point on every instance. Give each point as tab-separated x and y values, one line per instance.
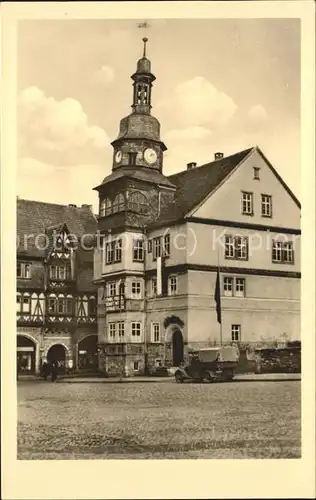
164	238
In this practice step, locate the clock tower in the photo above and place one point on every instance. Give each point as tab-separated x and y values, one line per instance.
138	143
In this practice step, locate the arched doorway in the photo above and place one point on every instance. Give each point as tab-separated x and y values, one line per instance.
177	348
57	353
88	354
26	352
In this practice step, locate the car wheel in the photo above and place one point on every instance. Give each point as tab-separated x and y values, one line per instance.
208	377
179	378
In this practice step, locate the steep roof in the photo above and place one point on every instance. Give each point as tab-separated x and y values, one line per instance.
140	173
35	223
35	218
195	184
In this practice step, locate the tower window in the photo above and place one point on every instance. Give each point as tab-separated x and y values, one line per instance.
138	202
142	94
119	203
132	158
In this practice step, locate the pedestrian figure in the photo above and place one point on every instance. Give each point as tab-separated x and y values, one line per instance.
54	370
45	370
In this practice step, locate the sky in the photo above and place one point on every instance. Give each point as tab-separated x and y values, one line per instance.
221	85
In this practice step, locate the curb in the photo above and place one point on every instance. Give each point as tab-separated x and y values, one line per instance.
136	380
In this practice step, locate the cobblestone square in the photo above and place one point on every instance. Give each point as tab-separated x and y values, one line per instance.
257	419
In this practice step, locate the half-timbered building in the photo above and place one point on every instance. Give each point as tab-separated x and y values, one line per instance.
56	298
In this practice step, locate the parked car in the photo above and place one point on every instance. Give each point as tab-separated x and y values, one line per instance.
210	365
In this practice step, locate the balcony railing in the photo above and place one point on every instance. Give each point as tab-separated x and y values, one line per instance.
119	303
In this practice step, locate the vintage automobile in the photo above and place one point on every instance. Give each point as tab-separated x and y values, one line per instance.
213	364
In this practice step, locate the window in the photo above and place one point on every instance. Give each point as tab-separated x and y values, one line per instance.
136	330
92	306
121	329
266	205
119	203
23	270
236	247
112	289
247	203
156	248
166	245
256	173
102	208
105	207
173	285
23	304
109	252
118	251
241	248
282	252
108	206
138	251
234	287
149	246
155	332
136	366
136	290
154	287
240	287
112	330
58	272
229	247
228	286
63	306
137	202
132	158
236	331
113	252
52	305
158	363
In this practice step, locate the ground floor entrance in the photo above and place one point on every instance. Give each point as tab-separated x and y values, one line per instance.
57	353
88	354
177	348
26	353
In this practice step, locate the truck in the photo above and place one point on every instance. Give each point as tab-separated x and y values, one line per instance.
211	364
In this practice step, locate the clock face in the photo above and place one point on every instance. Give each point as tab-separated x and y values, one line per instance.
118	156
150	156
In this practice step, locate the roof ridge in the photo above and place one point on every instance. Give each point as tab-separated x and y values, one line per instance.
247	150
54	204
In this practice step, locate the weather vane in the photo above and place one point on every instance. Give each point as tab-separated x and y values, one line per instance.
144	24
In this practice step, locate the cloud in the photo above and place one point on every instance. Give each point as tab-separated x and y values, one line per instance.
46	124
188	134
257	114
197	103
40	181
103	75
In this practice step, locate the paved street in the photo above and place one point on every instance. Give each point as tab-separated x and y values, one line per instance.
256	419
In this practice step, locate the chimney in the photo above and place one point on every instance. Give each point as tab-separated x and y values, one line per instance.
190	165
72	206
218	156
89	207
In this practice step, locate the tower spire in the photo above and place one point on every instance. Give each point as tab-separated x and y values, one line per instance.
143	80
145	40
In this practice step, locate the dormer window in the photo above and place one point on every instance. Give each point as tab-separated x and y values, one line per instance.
132	158
256	173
